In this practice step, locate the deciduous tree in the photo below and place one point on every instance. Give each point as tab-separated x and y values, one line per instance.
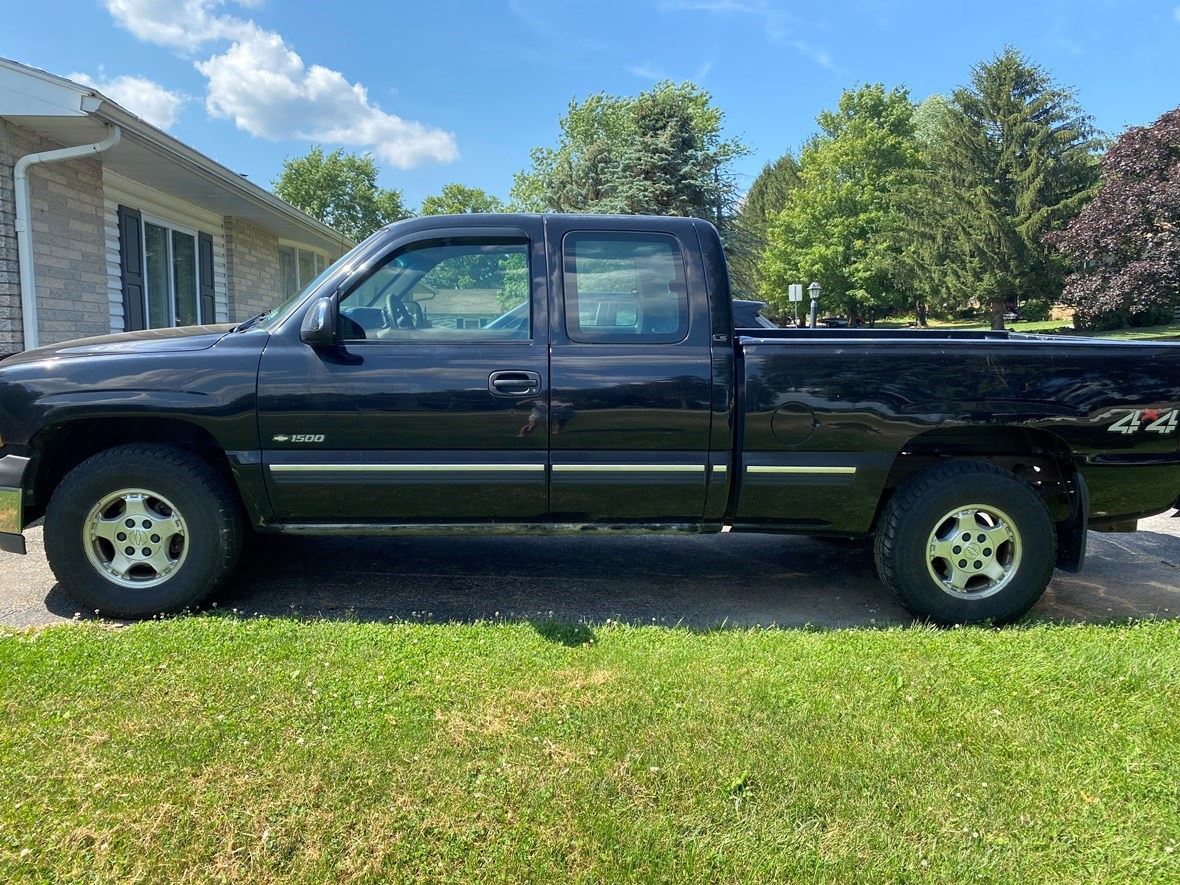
1125	245
834	225
339	189
459	199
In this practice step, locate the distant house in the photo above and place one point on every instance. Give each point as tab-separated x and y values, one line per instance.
133	230
458	308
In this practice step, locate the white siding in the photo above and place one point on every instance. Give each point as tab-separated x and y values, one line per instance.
120	190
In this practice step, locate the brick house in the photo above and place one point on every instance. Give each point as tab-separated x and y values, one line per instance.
133	229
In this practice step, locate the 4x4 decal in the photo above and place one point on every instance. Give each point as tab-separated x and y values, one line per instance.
1147	420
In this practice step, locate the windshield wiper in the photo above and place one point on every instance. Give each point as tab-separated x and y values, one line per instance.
246	324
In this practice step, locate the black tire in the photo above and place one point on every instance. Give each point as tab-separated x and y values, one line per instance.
212	540
907	568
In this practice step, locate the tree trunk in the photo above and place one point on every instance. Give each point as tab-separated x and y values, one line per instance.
998	308
920	311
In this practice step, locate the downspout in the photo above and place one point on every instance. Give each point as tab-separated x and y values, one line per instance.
24	231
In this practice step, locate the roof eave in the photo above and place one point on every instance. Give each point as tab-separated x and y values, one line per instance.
110	112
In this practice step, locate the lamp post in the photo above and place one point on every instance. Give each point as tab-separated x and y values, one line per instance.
813	290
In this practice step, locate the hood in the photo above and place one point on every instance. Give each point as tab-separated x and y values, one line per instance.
184	338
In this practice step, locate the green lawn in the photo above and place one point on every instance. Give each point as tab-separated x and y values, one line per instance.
1147	333
211	748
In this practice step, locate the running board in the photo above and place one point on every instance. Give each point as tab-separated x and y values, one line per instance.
489	528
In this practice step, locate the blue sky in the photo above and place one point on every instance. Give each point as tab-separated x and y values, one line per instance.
460	90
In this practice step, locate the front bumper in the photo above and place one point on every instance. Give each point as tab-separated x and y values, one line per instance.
12	503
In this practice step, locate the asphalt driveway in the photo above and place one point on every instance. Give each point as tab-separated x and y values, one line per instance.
699	581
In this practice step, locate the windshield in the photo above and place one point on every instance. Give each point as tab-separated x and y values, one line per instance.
276	315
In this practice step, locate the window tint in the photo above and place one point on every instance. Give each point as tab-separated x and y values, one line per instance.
624	288
457	290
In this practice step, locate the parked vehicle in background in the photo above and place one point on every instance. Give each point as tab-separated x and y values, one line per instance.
610	390
748	315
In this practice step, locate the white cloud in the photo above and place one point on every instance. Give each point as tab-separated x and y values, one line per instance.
774	20
821	57
650	71
141	96
266	88
776	23
179	24
647	71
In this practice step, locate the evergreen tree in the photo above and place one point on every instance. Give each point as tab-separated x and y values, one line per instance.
749	229
923	223
658	153
1012	159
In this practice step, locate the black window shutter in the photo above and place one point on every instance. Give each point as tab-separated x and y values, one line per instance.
131	265
205	277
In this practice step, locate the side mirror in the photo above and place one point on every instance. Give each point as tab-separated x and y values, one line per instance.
319	324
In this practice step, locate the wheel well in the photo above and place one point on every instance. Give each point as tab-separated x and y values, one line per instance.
58	449
1040	458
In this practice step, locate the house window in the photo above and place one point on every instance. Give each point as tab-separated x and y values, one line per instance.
171	291
167	273
298	267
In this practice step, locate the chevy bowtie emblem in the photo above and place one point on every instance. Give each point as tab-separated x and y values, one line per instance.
280	437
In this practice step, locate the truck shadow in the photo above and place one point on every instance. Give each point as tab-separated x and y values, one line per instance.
567	585
699	582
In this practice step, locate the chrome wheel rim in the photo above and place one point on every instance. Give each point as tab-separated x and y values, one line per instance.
135	538
974	551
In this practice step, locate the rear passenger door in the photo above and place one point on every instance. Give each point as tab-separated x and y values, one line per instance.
629	410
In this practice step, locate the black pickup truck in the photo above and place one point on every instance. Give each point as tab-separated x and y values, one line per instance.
521	373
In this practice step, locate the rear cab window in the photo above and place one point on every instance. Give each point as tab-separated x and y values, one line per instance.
624	288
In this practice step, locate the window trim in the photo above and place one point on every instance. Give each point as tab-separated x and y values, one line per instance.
568	256
445	237
156	220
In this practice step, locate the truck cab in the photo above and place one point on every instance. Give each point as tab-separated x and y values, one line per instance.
549	370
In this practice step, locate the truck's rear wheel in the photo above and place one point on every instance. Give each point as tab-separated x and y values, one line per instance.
140	530
964	543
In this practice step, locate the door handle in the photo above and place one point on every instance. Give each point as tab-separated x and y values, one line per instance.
514	383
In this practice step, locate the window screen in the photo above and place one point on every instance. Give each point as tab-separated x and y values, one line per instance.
625	288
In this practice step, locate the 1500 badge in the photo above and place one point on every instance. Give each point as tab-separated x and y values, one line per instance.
1147	420
298	437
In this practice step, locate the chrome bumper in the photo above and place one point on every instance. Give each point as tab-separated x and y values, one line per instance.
12	501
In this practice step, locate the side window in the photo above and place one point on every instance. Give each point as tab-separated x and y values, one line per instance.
443	290
625	288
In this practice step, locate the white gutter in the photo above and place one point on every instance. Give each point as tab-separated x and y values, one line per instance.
24	231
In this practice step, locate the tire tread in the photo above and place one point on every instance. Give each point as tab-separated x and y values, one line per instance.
189	469
885	552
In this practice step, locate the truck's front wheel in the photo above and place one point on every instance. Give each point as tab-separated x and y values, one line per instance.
966	542
140	530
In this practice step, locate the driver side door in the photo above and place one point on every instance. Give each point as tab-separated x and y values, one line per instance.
431	406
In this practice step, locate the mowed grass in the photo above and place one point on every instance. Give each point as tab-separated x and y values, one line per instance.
1167	332
219	749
